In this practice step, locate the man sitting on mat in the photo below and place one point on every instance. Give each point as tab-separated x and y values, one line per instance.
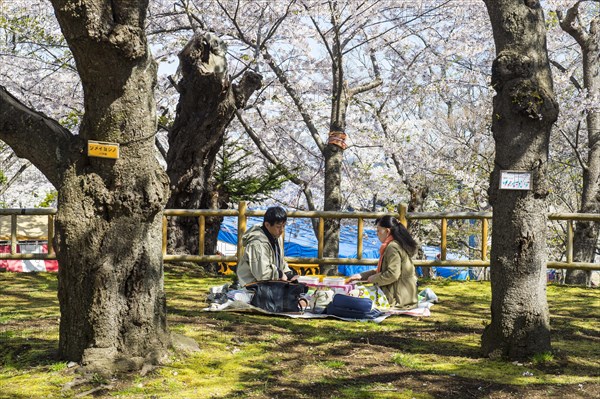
263	253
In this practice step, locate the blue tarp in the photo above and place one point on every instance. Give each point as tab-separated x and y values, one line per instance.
300	242
454	273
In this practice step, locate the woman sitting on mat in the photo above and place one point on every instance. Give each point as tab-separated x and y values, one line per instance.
395	273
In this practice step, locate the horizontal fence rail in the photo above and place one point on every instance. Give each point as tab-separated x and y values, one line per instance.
570	217
242	213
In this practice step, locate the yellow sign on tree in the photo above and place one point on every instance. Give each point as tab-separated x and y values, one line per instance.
103	149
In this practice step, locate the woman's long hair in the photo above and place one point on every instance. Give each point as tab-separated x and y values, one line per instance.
399	233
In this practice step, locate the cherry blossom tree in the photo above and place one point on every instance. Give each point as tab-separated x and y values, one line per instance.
433	64
208	101
109	220
523	113
36	64
586	232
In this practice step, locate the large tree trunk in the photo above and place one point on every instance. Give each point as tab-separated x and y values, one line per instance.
523	114
207	103
108	225
332	202
585	239
334	156
334	153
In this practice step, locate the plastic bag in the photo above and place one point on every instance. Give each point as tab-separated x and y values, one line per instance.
374	293
320	299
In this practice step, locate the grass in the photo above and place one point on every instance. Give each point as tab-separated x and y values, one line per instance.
256	356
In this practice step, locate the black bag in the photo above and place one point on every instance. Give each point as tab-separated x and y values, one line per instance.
277	296
350	307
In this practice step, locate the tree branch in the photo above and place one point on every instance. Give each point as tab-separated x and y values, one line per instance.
18	174
321	34
34	136
571	78
384	126
273	160
296	99
574	147
161	148
569	24
371	85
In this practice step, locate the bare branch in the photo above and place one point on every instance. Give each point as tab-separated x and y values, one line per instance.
174	84
394	26
574	146
18	174
384	127
278	23
569	24
160	146
321	34
571	78
275	162
371	85
296	99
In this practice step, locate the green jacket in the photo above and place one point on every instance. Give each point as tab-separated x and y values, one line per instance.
258	262
397	279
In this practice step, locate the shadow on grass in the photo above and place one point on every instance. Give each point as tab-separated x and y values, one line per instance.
22	353
390	384
418	339
336	340
382	380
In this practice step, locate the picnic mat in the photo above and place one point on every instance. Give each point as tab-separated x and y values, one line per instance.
239	306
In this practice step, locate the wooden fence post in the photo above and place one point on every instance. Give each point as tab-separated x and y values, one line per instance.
402	211
164	235
443	243
484	238
51	235
241	228
359	241
201	234
569	241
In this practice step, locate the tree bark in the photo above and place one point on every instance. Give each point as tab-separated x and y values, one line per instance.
334	154
207	103
108	225
524	110
419	190
585	239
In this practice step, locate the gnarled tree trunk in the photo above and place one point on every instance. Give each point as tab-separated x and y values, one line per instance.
523	114
108	225
207	103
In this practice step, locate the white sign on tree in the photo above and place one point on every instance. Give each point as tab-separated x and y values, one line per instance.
515	180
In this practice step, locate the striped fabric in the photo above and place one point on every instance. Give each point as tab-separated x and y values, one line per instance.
28	265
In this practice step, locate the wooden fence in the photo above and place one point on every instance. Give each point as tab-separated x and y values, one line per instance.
242	213
21	231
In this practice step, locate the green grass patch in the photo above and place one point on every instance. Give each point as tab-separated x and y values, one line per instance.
256	356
